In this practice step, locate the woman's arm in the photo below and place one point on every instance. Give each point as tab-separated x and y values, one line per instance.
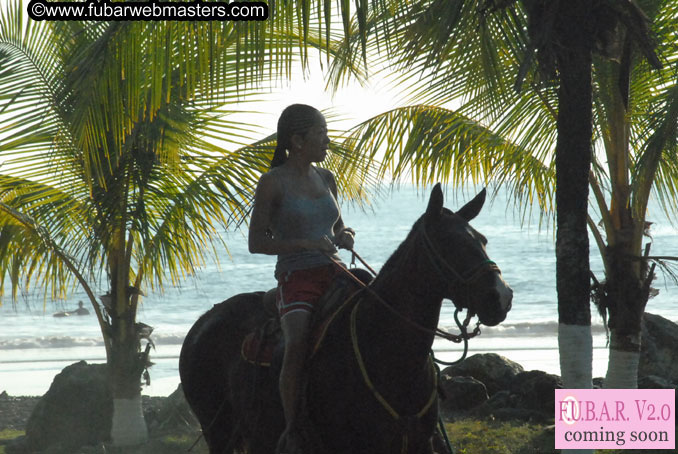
343	236
260	240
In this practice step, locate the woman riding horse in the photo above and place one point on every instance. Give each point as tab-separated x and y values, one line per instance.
296	217
370	387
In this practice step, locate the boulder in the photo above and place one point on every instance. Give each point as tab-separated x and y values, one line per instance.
535	391
506	406
513	393
76	410
460	394
494	371
659	348
170	415
654	382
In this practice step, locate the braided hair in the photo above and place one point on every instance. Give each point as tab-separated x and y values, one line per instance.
295	119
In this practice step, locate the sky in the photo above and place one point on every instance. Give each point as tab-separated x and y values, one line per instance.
350	105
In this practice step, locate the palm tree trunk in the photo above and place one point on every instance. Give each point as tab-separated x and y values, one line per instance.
627	298
622	366
572	163
129	426
126	367
627	294
127	363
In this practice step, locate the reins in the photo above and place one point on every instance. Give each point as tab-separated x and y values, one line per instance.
463	336
404	421
440	265
436	332
370	385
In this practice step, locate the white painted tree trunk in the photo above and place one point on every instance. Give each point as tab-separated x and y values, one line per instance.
129	427
622	370
575	345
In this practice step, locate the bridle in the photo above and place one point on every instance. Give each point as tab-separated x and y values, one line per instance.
440	265
444	269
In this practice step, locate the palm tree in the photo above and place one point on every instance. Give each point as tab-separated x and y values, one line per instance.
572	44
637	108
474	53
112	179
106	181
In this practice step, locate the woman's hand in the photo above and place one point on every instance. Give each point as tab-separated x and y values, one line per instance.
345	239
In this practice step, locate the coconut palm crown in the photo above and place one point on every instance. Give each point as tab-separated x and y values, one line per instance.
120	165
483	80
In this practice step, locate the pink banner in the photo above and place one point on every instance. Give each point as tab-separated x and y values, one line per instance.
615	419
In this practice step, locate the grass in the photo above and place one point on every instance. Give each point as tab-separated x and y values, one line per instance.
487	437
167	444
8	434
164	444
466	436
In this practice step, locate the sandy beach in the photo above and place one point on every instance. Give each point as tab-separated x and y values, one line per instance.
24	375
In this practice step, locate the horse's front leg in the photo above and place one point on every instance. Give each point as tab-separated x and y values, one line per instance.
437	445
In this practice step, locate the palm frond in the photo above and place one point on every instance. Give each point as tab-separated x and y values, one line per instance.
32	257
433	144
656	163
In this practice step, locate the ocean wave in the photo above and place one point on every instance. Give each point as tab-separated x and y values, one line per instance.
546	329
525	329
48	342
73	342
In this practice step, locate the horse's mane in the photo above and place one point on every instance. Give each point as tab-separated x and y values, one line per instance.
401	252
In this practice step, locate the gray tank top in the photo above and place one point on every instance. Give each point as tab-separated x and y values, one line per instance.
301	217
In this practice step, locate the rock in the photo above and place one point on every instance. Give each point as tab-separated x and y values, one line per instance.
172	415
505	406
659	348
16	446
654	382
494	371
514	393
461	394
535	391
520	414
75	411
15	411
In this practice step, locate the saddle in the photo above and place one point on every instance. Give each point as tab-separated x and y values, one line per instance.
264	346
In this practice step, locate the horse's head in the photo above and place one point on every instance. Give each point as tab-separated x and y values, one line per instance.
458	256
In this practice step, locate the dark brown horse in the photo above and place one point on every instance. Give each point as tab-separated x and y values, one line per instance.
371	387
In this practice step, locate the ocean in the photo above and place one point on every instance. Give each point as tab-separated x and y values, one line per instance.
35	346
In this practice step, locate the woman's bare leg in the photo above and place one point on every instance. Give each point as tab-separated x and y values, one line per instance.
295	327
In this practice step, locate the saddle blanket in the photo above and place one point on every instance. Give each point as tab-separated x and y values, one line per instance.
259	348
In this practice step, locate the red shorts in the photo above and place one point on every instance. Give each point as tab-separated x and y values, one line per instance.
300	290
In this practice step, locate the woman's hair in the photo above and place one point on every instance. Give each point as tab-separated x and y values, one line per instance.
295	119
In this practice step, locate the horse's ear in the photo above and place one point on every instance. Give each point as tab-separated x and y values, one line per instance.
472	208
435	202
